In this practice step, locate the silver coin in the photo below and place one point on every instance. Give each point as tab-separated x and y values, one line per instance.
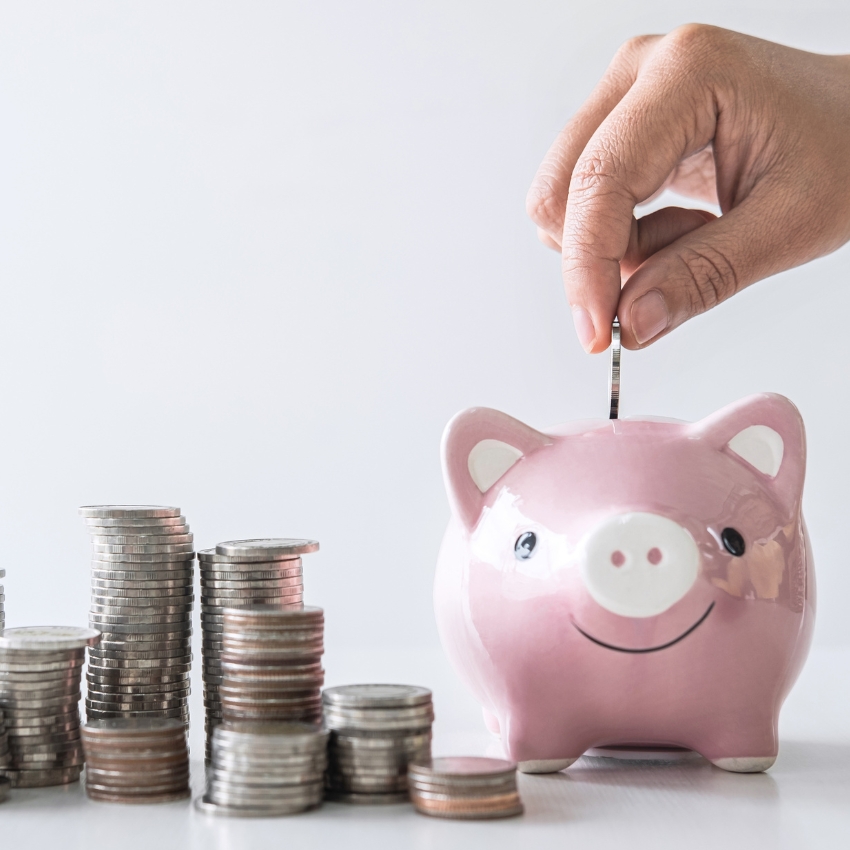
133	576
107	560
181	582
367	799
271	546
136	606
356	743
40	667
128	511
215	586
144	626
135	645
48	638
146	530
157	595
126	676
172	539
141	548
207	807
614	376
245	574
106	522
96	714
376	696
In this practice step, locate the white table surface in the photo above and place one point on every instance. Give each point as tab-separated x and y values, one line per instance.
804	801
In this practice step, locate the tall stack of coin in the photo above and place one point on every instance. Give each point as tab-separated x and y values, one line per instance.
5	752
142	595
40	672
265	769
271	662
465	787
2	602
377	730
136	760
241	573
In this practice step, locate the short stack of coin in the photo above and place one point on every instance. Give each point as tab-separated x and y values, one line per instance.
465	787
271	661
136	760
377	730
241	573
142	595
265	769
2	602
40	672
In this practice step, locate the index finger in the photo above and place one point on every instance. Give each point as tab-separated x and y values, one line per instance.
660	120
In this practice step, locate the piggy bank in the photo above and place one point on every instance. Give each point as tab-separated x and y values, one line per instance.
636	582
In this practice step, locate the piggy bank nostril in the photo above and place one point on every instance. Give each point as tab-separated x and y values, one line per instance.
618	558
654	556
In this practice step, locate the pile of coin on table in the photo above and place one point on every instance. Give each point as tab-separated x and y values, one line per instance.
40	673
465	787
265	769
238	574
2	601
376	730
142	594
136	760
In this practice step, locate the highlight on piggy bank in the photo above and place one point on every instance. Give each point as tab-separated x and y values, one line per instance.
628	582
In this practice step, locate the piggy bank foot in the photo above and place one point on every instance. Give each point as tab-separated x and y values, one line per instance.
752	764
544	765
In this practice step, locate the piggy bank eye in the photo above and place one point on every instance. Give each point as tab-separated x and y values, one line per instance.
733	542
524	546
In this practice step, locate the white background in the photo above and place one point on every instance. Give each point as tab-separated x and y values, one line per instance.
253	256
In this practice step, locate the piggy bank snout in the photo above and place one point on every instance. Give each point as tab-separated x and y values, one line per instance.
639	564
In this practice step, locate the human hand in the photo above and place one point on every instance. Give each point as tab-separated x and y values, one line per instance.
761	129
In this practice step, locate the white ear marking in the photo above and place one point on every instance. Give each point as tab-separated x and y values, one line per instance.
761	447
489	460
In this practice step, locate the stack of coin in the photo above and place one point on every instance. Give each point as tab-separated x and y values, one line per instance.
237	574
376	731
40	671
465	787
271	662
142	594
2	602
5	785
265	769
136	760
5	752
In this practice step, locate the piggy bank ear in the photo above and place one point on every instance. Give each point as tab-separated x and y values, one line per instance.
479	446
766	433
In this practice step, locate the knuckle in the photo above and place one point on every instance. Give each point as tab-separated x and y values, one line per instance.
544	206
710	275
595	169
632	48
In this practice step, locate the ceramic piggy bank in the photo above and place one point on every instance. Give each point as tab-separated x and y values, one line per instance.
636	582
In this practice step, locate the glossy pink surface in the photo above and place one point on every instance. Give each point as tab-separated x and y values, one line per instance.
556	671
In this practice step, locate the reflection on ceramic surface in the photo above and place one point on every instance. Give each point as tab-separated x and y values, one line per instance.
630	581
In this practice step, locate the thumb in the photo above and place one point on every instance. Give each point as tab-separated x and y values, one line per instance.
699	270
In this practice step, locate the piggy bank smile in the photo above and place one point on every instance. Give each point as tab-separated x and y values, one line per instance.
628	581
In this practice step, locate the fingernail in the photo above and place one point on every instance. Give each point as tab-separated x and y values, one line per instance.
584	328
649	316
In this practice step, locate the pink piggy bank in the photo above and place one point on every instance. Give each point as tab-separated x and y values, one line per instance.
637	582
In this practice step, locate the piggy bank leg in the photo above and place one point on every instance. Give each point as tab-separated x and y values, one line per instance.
749	746
544	765
492	723
527	739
